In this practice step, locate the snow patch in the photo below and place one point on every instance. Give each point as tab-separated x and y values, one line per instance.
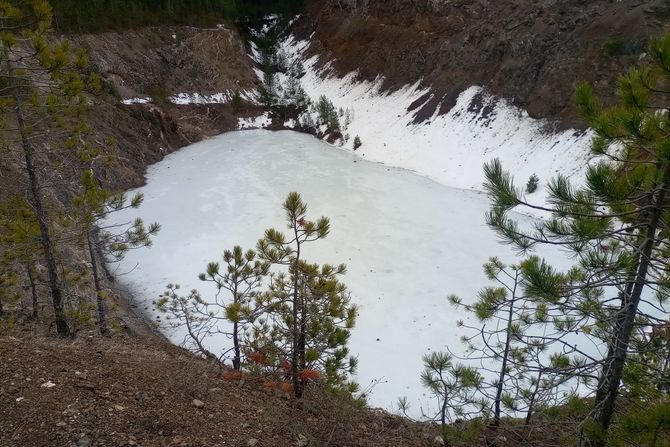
142	100
257	122
197	98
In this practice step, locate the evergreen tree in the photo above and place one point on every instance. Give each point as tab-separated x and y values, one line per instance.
20	239
309	315
515	334
616	226
107	243
237	301
242	277
455	386
40	89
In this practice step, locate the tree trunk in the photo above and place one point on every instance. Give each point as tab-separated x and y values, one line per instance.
33	290
47	246
610	382
99	299
297	385
237	360
503	367
531	403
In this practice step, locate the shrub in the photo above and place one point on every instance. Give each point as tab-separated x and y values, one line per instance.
357	142
531	186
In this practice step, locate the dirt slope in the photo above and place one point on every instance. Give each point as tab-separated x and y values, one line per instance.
132	392
529	51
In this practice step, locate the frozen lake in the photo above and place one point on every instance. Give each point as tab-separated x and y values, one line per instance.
408	241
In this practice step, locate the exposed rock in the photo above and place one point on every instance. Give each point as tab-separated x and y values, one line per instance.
198	404
527	51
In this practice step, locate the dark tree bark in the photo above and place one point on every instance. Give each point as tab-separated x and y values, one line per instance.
613	367
47	245
99	299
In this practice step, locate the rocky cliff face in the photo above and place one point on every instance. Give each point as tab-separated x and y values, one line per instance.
529	51
159	63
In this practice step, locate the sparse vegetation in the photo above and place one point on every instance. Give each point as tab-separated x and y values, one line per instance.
296	331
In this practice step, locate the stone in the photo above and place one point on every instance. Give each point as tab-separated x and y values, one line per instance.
198	403
252	442
84	441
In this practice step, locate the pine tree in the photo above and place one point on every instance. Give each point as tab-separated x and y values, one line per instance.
616	226
237	301
107	243
40	88
455	386
242	277
515	334
309	315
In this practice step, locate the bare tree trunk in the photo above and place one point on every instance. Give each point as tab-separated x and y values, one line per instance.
33	290
99	299
237	360
610	382
503	367
28	151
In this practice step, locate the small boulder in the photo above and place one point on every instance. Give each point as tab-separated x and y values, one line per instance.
252	442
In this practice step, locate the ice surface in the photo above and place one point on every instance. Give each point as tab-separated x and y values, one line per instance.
408	241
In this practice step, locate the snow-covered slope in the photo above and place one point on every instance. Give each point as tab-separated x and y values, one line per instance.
449	148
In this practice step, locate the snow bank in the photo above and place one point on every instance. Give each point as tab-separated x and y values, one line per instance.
449	148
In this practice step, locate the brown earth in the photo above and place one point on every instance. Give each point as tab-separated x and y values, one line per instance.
143	392
531	52
159	62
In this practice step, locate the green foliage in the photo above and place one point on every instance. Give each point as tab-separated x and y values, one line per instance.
531	185
300	323
357	142
327	115
643	426
237	103
101	15
42	103
616	228
511	344
455	386
310	314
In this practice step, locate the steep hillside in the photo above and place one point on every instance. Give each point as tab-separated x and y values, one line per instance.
131	392
166	87
529	52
